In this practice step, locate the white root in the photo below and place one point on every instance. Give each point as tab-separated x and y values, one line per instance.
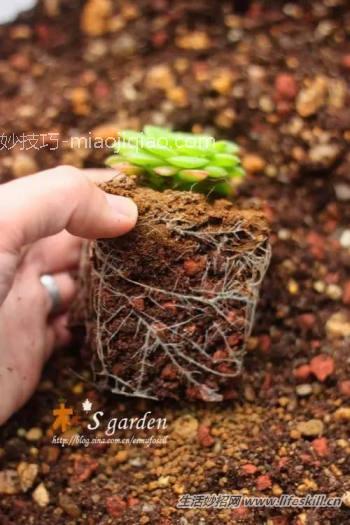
236	265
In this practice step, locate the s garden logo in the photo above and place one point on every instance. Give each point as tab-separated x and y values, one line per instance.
66	420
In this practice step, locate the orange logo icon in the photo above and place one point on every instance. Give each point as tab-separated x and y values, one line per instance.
62	415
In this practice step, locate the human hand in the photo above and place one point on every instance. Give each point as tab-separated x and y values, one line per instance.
42	220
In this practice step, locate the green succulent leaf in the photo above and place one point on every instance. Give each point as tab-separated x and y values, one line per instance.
237	171
216	172
180	160
193	151
158	149
225	160
142	158
192	175
165	171
224	146
125	149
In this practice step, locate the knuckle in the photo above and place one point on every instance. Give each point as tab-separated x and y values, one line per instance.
65	170
73	179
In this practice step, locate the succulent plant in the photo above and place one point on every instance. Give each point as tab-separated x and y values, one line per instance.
184	161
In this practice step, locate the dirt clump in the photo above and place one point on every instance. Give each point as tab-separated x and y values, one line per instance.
171	304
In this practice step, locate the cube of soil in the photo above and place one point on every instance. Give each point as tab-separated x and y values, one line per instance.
170	305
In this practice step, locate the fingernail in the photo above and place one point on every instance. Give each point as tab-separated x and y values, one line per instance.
100	175
123	206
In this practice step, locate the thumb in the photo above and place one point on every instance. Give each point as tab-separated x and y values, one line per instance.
49	202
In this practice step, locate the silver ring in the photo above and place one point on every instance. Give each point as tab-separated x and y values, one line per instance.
50	284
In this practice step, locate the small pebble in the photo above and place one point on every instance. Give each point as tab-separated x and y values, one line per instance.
277	490
121	456
137	462
194	266
160	76
320	446
345	239
319	286
222	82
313	427
324	154
263	482
253	163
338	325
124	46
78	388
337	93
346	498
225	118
34	434
285	86
249	469
27	473
163	481
148	508
271	171
304	390
334	292
343	443
324	28
196	40
115	506
322	366
178	489
284	234
307	486
249	393
302	371
266	104
302	519
9	482
283	401
312	97
293	287
41	495
307	320
178	96
69	506
344	387
342	414
95	16
342	191
186	427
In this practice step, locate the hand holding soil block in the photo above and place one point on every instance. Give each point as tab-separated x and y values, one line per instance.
171	304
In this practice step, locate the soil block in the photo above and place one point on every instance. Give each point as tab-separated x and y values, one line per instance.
171	304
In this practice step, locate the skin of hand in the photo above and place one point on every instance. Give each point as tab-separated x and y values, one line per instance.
43	219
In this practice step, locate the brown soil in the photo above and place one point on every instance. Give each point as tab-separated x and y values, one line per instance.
255	79
171	304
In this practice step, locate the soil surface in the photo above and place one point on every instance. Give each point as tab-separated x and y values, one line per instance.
170	305
276	80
